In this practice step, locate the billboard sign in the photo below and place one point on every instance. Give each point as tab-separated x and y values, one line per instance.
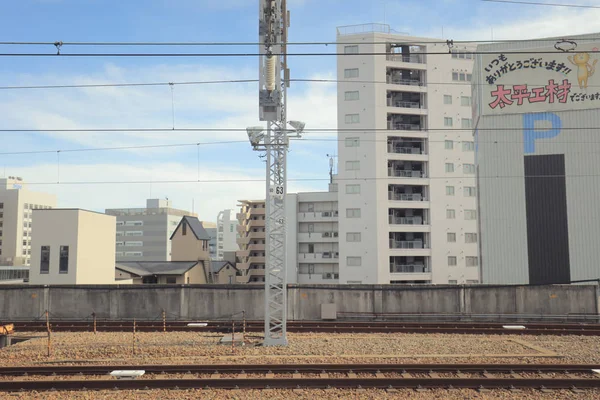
546	79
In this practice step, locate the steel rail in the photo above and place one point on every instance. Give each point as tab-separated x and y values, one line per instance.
301	383
297	368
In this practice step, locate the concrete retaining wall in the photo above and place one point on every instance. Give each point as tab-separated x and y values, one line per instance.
304	301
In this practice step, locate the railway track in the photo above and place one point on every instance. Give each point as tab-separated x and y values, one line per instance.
319	326
309	376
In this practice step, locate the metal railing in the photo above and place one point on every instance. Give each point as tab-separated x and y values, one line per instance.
400	244
407	82
405	196
409	269
398	126
403	104
403	173
405	220
407	58
398	149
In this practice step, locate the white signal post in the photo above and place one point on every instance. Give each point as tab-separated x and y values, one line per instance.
273	83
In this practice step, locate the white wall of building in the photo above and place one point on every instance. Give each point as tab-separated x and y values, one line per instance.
371	130
90	238
17	204
227	233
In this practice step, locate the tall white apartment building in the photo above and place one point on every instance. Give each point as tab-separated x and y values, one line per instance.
227	233
406	170
144	234
16	208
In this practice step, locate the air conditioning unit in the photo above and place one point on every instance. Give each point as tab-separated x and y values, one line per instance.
335	234
336	255
327	276
336	276
325	234
326	214
335	213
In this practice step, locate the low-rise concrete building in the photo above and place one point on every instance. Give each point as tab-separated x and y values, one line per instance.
162	272
72	247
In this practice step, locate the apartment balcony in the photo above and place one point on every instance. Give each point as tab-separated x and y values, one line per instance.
409	61
409	269
318	216
256	223
318	237
250	262
406	244
325	257
406	107
406	80
256	247
405	173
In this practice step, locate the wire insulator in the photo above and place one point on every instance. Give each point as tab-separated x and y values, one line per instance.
270	72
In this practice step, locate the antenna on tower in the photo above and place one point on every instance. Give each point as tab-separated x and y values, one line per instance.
330	167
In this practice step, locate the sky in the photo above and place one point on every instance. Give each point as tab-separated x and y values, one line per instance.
90	179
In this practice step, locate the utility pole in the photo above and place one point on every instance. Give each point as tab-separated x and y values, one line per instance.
273	84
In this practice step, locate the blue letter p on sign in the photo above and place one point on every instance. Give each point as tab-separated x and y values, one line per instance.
530	134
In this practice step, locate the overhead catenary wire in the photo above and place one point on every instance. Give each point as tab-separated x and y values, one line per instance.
199	144
400	181
538	3
298	43
313	54
314	130
304	80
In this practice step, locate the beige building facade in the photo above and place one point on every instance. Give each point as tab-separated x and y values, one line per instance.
72	247
250	259
16	215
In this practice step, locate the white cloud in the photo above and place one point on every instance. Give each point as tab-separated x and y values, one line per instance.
218	106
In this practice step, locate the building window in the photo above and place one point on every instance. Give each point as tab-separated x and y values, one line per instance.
461	76
134	244
470	191
470	238
120	223
45	260
465	123
353	237
119	254
452	282
134	223
134	233
351	73
469	168
447	99
120	243
63	266
134	254
1	206
231	228
120	233
353	261
470	215
351	96
468	146
352	165
351	49
184	228
352	142
449	167
171	280
449	190
452	261
471	261
455	76
450	213
447	121
353	189
472	281
352	118
451	237
448	144
465	101
352	212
